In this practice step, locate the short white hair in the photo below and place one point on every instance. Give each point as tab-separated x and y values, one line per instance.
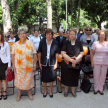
22	29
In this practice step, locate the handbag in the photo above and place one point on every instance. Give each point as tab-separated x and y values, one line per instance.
10	75
86	85
87	69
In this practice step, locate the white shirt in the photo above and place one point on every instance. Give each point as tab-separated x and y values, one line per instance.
12	40
48	49
95	36
36	41
5	54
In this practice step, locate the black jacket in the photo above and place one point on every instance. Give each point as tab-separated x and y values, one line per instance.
60	44
53	51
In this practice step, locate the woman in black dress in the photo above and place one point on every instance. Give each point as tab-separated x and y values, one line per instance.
48	52
5	63
72	52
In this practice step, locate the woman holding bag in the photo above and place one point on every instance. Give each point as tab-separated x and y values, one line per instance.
72	52
5	63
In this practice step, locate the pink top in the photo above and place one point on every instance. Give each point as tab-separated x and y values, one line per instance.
101	53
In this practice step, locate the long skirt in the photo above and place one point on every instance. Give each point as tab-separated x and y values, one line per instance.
24	80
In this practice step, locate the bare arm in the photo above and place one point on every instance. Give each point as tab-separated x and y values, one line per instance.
55	66
34	59
79	57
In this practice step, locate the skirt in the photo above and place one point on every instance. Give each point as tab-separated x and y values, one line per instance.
48	74
3	68
69	76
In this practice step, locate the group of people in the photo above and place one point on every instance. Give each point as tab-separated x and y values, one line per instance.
27	48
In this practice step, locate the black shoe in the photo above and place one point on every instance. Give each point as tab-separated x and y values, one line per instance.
101	93
5	96
51	96
95	92
74	94
45	95
0	96
65	94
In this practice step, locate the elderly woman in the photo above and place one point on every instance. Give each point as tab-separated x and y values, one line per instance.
87	39
48	52
99	61
72	53
24	64
5	63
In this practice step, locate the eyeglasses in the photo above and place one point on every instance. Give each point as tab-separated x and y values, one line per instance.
88	30
22	33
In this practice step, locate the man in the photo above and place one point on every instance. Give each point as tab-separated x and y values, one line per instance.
32	34
61	39
96	34
36	40
67	35
12	38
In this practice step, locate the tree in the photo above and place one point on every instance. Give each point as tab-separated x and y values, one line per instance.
49	14
97	10
6	16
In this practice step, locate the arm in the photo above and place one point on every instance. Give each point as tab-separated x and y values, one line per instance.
34	62
13	62
55	66
8	55
39	56
91	56
79	57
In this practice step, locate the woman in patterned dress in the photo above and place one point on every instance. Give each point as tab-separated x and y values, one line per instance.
24	64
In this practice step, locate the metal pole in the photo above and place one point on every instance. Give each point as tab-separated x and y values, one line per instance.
66	15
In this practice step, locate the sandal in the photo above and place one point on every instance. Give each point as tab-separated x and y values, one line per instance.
1	96
5	96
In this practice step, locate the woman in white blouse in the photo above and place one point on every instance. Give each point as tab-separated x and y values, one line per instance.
5	63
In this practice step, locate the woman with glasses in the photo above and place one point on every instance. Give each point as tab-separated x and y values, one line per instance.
24	64
72	52
99	61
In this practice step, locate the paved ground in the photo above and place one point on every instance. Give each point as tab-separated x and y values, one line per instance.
58	101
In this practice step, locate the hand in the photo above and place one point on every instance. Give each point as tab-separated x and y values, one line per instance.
34	68
40	66
55	66
9	68
74	62
73	65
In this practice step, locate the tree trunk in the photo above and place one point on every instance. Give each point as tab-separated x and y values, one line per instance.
6	16
72	12
49	14
79	6
99	24
40	22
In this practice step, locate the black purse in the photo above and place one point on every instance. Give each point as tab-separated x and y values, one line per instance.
86	85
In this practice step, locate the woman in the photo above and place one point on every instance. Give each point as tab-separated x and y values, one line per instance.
87	39
107	35
24	64
70	75
48	51
99	61
5	63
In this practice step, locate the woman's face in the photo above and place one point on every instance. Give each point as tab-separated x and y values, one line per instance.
48	36
22	35
88	31
102	36
72	35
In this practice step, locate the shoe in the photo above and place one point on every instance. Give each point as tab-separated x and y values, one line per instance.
51	96
1	96
5	96
18	98
74	94
65	94
95	92
59	86
45	95
31	97
101	93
